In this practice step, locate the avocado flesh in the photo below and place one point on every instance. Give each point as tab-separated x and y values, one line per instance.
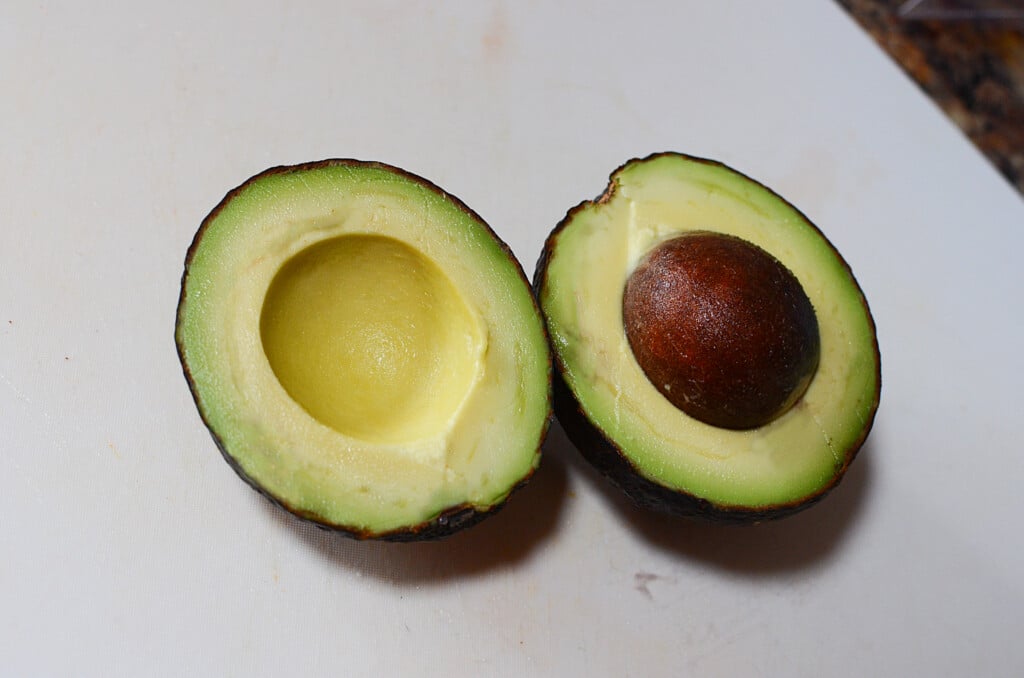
787	462
364	349
371	338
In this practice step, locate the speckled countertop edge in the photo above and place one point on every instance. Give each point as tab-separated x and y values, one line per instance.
972	69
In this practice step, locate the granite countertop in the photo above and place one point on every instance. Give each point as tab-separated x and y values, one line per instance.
968	56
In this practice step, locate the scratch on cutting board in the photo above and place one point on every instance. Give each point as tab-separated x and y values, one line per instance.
642	579
21	396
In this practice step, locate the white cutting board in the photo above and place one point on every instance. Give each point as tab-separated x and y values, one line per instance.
130	548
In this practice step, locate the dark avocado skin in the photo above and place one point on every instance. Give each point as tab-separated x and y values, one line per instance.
599	450
452	519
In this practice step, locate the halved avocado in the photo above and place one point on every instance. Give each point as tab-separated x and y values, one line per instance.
364	350
707	277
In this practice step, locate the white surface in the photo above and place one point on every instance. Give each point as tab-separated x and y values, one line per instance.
130	548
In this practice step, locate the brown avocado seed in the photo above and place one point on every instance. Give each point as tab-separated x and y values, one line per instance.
722	329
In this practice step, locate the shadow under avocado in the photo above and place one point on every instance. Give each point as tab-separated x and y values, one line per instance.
529	518
532	516
799	542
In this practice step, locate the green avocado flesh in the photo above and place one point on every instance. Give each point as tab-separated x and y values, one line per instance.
790	460
364	349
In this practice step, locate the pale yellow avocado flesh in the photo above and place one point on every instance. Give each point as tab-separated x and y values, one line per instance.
653	200
371	338
363	348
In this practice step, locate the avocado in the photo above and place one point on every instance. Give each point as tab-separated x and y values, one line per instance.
364	350
714	354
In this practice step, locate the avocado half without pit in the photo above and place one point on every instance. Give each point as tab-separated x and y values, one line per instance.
714	354
364	350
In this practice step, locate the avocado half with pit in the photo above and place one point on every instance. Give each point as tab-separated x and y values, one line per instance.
714	354
364	349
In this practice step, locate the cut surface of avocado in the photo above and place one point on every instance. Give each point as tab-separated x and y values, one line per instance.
771	468
371	338
364	350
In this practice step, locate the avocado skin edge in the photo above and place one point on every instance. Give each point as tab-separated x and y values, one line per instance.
608	459
454	518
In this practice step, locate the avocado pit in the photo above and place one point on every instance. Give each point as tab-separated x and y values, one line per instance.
721	328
